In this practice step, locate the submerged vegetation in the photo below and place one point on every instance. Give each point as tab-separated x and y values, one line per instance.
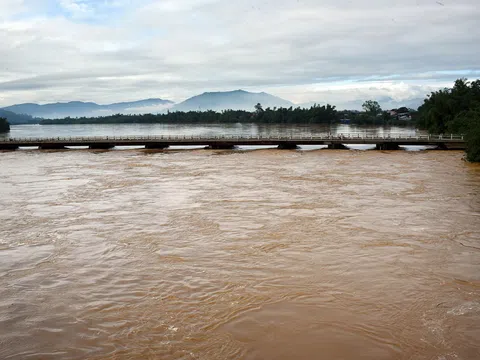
455	110
4	125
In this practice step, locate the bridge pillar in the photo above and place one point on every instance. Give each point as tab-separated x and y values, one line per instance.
220	147
337	146
441	146
101	146
51	147
387	146
451	146
156	146
8	147
287	147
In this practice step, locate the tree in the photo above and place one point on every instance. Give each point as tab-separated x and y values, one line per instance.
259	108
473	143
372	107
4	125
469	123
440	111
455	110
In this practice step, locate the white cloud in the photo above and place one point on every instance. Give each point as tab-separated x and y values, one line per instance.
75	7
11	7
306	50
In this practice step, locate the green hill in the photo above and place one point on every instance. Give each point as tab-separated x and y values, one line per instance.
18	119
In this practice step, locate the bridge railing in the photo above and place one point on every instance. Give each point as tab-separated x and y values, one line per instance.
278	137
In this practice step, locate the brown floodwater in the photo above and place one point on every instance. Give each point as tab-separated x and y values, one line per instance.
265	254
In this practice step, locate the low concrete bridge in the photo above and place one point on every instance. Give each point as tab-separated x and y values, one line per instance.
337	141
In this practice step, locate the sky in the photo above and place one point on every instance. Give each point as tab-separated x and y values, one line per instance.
336	51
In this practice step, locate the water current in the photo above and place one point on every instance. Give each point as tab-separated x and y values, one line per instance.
243	254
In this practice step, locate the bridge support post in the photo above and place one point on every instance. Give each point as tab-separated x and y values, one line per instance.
101	146
387	146
337	146
441	146
9	147
51	147
287	147
156	146
220	147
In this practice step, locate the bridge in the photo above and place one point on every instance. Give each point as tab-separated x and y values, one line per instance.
337	141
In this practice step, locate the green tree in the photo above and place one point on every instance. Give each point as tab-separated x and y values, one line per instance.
441	109
372	107
469	123
473	143
259	108
455	110
4	125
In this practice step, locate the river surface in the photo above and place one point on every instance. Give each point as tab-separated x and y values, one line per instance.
38	131
262	254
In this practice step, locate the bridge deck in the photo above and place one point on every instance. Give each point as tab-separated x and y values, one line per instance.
449	141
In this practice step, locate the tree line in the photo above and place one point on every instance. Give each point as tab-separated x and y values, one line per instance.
325	114
454	110
316	114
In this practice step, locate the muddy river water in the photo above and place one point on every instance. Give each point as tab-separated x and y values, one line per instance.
259	254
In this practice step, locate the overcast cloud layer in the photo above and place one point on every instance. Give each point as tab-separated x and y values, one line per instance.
303	50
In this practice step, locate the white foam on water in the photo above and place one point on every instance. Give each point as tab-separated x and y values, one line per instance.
360	147
256	147
465	308
312	147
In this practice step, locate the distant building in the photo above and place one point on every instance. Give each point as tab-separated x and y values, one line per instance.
404	117
401	114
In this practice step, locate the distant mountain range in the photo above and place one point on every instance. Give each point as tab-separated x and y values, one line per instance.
79	108
235	100
390	103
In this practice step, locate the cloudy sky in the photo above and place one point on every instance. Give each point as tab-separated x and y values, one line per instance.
337	51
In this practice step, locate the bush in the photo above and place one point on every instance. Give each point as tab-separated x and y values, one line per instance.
4	125
473	143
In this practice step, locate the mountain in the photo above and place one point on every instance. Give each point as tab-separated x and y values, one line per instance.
139	104
234	100
386	102
79	108
17	119
309	104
